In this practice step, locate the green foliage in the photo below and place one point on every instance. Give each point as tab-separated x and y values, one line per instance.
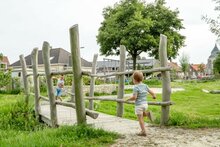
86	80
43	84
98	93
19	117
114	92
13	91
138	26
192	109
68	80
99	81
188	121
16	84
1	56
152	82
19	128
77	136
184	63
214	22
5	78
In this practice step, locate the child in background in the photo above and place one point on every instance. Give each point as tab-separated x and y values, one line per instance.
140	91
60	85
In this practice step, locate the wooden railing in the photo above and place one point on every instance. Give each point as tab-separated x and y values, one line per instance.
77	101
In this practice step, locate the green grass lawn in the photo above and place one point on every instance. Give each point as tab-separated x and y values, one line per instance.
19	128
192	109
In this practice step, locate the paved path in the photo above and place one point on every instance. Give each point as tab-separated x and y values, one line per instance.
67	116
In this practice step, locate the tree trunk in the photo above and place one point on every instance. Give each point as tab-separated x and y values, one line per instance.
134	58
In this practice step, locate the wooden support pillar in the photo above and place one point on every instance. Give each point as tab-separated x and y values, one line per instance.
165	80
25	79
36	82
73	91
77	73
92	82
50	90
121	84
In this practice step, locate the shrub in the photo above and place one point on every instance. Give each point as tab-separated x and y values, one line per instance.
19	117
152	82
5	78
13	91
86	80
43	84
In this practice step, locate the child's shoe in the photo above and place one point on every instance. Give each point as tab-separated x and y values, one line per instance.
142	134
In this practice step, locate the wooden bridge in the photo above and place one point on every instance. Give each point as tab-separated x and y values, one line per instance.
53	114
67	116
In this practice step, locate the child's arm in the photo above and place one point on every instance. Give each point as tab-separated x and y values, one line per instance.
132	98
152	93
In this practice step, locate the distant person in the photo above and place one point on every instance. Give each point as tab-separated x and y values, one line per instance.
60	85
140	91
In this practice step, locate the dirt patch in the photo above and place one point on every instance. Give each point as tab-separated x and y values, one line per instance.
172	137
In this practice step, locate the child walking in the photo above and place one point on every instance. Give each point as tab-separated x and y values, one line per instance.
140	91
60	85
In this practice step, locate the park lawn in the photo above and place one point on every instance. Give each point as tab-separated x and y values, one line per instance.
18	130
192	109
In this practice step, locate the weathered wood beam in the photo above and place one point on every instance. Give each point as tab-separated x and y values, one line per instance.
160	69
44	98
128	102
25	79
34	57
166	92
77	74
50	91
121	83
65	72
92	82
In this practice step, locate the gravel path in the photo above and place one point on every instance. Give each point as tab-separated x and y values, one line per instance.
172	137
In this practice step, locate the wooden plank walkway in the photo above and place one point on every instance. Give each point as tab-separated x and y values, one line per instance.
67	116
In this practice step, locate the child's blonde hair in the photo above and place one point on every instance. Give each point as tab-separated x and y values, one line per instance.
138	76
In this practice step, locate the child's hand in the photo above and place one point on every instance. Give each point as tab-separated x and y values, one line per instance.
127	99
154	97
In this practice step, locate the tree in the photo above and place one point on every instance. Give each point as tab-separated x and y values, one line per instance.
214	23
217	64
184	63
1	56
201	68
138	26
5	76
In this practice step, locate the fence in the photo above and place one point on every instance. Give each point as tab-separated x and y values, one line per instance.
77	86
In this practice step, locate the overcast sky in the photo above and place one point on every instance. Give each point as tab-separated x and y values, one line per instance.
25	24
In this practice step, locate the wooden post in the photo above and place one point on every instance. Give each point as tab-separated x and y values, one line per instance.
92	81
25	79
166	80
36	82
77	73
50	91
73	91
121	84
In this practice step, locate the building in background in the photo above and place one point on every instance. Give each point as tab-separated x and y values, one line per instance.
4	63
60	60
197	70
212	57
